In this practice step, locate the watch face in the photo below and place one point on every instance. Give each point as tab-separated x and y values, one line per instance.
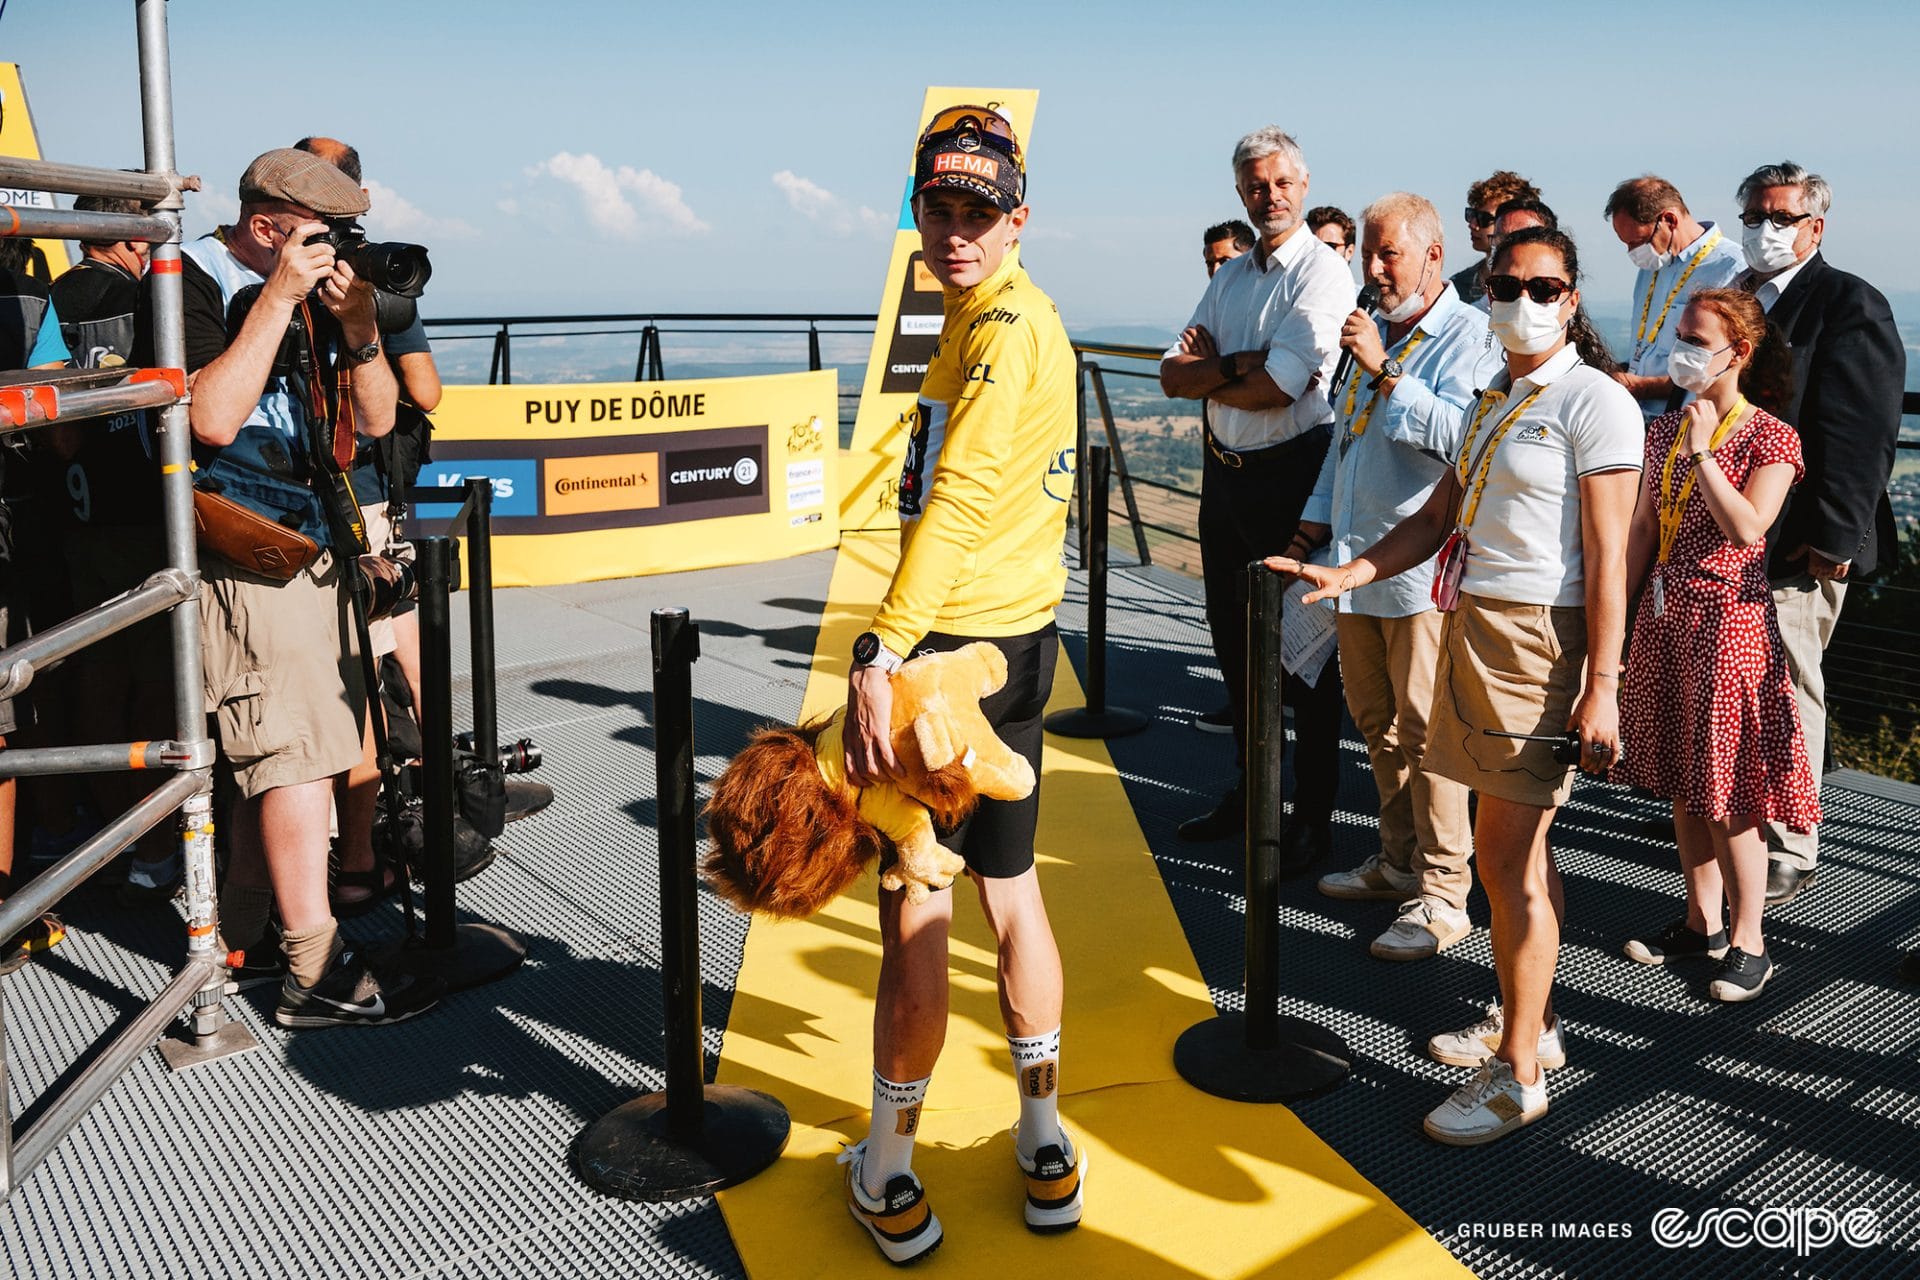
867	647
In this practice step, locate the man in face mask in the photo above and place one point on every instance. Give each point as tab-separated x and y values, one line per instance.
1850	369
1674	256
1399	417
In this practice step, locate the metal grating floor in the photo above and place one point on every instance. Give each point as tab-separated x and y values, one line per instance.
438	1148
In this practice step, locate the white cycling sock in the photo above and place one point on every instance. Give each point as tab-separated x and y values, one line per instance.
1036	1068
890	1134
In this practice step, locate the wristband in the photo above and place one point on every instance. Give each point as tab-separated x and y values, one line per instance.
1701	455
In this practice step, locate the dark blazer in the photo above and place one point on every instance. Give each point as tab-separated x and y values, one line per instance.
1850	371
1469	284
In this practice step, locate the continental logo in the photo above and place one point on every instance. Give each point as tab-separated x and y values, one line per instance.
998	315
601	482
977	166
1038	1080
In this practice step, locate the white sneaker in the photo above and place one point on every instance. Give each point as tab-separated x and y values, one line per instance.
1055	1175
1425	928
1474	1045
1490	1106
900	1221
1372	879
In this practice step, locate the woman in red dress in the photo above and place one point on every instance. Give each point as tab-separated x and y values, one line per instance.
1708	718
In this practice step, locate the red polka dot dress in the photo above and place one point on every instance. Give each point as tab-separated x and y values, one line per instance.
1707	714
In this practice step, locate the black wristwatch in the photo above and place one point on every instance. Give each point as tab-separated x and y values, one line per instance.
869	652
361	355
1391	369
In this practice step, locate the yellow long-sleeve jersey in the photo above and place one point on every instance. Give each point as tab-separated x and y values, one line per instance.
988	470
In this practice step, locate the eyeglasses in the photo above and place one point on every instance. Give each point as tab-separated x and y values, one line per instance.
1780	218
1477	217
992	127
1542	289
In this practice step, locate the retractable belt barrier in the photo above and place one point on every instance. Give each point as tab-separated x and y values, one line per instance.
1257	1055
1096	719
692	1138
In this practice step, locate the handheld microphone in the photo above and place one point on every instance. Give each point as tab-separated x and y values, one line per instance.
1369	302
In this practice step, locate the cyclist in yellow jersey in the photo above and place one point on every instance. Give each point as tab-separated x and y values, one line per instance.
983	506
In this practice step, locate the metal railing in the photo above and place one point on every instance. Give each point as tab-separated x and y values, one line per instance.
30	399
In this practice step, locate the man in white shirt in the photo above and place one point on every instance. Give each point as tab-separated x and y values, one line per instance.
1260	350
1400	418
1675	257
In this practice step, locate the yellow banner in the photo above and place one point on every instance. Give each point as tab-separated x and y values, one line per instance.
905	334
18	139
620	479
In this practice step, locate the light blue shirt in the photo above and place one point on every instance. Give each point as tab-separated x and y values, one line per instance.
1650	291
1379	478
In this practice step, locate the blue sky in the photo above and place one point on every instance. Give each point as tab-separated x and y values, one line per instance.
585	155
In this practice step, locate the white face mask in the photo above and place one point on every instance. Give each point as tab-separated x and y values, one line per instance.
1770	248
1691	366
1410	305
1526	327
1644	257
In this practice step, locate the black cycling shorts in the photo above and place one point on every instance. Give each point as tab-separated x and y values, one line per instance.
997	840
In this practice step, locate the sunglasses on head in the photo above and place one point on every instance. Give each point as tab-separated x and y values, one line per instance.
1542	289
1477	217
992	127
1780	218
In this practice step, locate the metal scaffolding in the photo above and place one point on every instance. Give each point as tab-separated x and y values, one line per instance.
27	400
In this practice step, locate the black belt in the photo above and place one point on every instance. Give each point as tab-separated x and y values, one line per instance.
1237	458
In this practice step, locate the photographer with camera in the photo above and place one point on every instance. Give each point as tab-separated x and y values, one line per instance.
283	351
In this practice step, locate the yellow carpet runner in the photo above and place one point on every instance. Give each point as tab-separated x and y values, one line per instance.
1178	1183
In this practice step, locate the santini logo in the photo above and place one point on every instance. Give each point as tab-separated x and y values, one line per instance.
977	165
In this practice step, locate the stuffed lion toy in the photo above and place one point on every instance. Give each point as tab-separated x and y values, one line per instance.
791	832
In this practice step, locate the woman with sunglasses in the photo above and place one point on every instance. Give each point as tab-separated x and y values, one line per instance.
1531	525
1708	702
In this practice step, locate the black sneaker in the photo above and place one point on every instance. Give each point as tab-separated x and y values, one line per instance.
1741	976
257	965
525	797
1228	818
352	994
1676	942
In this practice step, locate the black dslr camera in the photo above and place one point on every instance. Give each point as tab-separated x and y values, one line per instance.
388	265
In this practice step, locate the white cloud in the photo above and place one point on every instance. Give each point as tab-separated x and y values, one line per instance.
394	215
624	202
206	210
812	201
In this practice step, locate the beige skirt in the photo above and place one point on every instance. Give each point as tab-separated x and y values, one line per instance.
1514	667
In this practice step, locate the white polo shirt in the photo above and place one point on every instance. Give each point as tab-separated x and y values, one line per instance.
1524	544
1654	335
1290	304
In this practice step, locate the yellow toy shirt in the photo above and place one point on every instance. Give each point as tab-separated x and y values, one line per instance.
988	471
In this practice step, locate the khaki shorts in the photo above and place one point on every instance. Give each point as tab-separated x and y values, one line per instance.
286	693
1514	667
384	539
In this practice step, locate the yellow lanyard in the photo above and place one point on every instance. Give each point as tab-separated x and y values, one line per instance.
1488	401
1358	426
1644	339
1672	509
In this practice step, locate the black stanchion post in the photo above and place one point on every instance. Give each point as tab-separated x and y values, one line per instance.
692	1138
486	716
1096	719
1259	1056
464	955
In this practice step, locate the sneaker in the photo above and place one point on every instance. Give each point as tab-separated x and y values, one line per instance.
1741	976
1487	1107
1371	879
150	882
901	1221
1676	942
1424	928
525	797
1472	1046
1228	818
1220	721
41	934
351	994
257	965
1055	1177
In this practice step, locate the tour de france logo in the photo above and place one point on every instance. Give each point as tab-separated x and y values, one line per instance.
746	471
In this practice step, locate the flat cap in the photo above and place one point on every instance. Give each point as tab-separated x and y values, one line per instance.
302	178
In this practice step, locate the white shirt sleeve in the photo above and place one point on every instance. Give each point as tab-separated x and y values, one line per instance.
1607	429
1310	331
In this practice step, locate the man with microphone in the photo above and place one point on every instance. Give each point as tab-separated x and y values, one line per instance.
1259	350
1400	413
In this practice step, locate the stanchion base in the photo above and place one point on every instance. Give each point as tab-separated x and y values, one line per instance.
1084	722
630	1153
481	953
184	1051
1213	1057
